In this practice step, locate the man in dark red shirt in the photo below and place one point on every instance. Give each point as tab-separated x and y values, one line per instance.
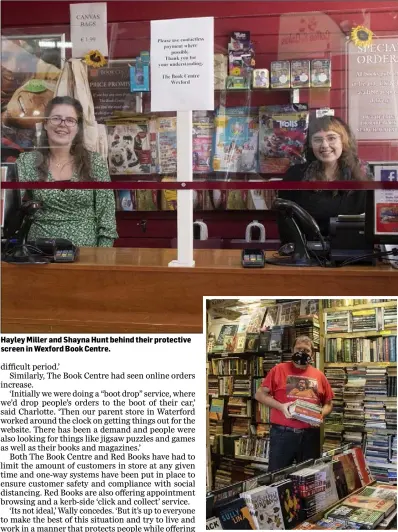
292	440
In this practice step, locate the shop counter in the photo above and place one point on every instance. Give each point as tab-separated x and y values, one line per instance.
123	290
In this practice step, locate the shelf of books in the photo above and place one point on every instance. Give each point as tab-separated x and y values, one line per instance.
360	364
334	492
245	340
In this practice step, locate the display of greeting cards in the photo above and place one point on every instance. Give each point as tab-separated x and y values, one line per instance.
282	136
167	144
129	149
236	140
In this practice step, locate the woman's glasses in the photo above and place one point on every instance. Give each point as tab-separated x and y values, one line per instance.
69	121
330	139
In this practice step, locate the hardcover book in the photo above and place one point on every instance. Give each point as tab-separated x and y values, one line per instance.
350	472
368	519
371	503
341	482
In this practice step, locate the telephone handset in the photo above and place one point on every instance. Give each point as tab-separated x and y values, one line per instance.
307	223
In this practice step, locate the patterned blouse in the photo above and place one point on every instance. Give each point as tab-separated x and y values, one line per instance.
86	217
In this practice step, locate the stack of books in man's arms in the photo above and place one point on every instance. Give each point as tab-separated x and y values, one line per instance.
306	411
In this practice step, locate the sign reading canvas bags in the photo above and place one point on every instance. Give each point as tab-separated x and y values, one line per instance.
182	64
88	28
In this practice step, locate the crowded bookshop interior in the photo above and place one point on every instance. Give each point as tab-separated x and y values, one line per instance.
345	395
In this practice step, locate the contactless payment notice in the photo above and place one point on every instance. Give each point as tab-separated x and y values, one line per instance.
182	69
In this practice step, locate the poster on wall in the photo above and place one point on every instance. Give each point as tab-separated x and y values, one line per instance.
373	89
110	89
386	201
88	28
30	67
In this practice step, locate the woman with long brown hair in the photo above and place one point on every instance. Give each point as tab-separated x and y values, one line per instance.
86	217
331	155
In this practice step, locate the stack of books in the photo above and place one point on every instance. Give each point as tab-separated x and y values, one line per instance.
316	487
270	360
242	386
333	428
231	470
212	385
337	322
392	381
375	414
364	320
239	407
366	509
240	426
390	318
308	326
354	417
376	453
306	412
391	413
334	421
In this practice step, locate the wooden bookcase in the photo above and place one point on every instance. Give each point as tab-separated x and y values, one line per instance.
384	402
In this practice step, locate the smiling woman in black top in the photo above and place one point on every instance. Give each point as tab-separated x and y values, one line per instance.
331	155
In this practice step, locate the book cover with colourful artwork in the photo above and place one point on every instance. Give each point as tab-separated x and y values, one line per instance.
236	516
202	140
371	503
129	150
282	136
236	140
167	144
265	507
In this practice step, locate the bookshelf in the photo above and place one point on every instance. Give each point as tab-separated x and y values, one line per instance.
361	366
362	306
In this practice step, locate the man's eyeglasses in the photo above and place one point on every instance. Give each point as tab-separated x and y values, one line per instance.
69	121
330	139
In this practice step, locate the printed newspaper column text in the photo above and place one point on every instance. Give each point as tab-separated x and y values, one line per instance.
98	442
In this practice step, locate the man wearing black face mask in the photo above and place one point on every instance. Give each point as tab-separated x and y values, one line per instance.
292	440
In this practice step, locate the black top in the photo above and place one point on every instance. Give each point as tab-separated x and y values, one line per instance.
321	205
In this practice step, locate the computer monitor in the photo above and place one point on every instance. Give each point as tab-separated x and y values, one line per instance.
10	202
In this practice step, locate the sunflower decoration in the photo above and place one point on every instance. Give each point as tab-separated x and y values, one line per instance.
95	59
361	36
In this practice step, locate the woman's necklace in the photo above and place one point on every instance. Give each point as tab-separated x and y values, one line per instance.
62	164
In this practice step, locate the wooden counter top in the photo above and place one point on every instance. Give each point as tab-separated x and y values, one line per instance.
134	290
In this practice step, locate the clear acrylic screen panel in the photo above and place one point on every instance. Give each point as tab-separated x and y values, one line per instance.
244	138
249	149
